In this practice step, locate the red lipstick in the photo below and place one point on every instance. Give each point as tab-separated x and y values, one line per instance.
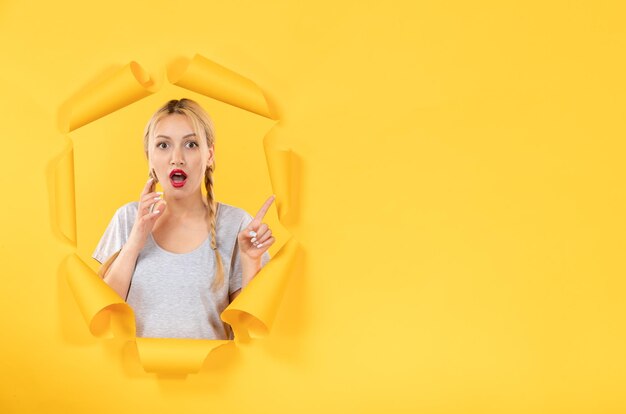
178	178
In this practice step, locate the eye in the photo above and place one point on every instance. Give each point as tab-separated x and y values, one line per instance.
162	145
192	144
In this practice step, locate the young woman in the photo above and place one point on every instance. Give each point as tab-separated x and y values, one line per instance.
177	258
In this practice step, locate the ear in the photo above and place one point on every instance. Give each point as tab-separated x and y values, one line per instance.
211	157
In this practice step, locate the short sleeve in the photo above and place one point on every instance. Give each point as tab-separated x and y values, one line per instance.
116	233
236	270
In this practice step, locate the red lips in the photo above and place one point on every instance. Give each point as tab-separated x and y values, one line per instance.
178	178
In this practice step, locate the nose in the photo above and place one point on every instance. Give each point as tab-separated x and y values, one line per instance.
177	157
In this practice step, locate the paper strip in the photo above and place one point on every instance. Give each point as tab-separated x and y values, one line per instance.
125	86
174	356
284	172
215	81
252	313
105	312
63	203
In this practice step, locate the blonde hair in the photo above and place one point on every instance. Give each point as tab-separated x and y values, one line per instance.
202	125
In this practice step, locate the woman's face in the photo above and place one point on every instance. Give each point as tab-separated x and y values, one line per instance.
178	156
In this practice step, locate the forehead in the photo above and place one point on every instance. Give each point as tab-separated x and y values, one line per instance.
174	126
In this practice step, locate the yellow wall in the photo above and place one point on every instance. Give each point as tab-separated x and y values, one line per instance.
461	205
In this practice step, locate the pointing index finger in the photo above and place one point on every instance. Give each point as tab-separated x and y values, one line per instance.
259	216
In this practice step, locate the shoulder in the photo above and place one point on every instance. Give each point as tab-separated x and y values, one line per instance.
128	208
231	215
132	207
127	213
117	232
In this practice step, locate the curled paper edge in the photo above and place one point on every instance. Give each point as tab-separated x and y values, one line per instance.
284	173
121	88
174	355
252	313
218	82
62	201
105	312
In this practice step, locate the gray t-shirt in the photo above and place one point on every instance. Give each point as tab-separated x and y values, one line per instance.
170	293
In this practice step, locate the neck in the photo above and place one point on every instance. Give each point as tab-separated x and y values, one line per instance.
187	207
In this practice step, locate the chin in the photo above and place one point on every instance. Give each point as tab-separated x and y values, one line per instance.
181	192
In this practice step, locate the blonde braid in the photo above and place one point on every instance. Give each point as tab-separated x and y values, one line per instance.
212	204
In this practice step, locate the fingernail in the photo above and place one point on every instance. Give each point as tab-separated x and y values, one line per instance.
156	211
252	233
157	198
253	239
160	192
259	245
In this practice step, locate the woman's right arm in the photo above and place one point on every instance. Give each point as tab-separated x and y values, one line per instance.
120	271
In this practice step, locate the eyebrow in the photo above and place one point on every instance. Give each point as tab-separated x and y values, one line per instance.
193	134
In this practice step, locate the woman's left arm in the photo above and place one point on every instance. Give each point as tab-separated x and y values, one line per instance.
253	242
250	268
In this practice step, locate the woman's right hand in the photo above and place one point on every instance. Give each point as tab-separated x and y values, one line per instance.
146	215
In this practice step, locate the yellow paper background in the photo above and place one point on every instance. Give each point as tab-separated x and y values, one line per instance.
460	205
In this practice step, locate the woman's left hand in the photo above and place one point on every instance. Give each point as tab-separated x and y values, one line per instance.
256	238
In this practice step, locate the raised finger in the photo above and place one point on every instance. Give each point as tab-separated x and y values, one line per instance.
150	185
261	213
